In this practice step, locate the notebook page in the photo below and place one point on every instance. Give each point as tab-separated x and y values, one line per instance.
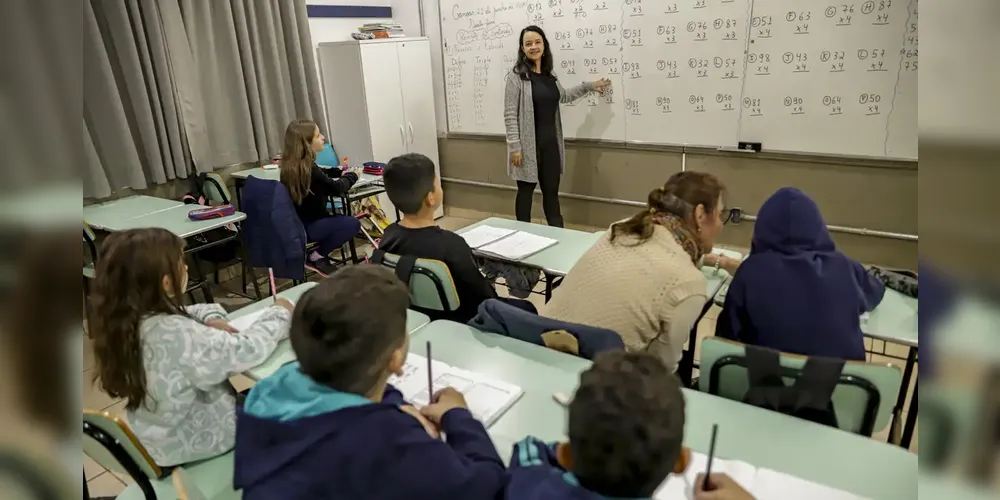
773	485
518	245
244	322
482	235
487	398
681	486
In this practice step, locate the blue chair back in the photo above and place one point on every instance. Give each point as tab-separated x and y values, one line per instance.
327	157
274	235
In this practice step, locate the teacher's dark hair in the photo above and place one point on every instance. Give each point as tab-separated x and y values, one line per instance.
682	193
523	64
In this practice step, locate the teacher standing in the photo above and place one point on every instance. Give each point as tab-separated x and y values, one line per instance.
536	154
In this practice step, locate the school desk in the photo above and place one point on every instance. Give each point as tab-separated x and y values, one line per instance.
283	353
169	215
763	438
105	216
555	261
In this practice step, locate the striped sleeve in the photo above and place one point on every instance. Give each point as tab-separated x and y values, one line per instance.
533	452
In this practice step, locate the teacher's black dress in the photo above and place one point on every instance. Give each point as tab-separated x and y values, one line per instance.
545	98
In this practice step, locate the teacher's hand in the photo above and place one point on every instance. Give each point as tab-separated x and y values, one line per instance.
602	85
515	159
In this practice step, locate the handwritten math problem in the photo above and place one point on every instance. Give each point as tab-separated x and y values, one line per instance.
819	76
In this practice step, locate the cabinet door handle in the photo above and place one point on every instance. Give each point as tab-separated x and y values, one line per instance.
402	135
410	126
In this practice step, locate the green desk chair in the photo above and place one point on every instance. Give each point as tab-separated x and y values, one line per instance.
431	286
109	442
863	399
214	188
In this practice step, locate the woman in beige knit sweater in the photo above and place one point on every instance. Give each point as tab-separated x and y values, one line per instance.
643	278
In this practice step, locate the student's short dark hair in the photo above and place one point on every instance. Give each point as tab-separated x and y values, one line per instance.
408	179
626	425
345	328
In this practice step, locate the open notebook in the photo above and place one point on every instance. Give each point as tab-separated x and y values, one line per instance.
487	398
763	484
506	243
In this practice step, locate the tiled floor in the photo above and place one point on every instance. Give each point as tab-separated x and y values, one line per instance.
103	483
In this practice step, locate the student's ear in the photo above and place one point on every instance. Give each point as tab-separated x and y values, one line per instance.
167	284
564	456
683	461
699	216
398	360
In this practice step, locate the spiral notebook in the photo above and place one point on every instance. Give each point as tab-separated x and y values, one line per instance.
488	398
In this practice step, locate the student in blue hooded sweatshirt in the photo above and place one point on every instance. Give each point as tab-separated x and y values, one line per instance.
330	426
795	292
626	433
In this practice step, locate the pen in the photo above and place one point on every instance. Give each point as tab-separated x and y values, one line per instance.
430	376
711	454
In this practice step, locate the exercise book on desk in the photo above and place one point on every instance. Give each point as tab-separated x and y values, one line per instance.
517	246
484	235
487	398
763	484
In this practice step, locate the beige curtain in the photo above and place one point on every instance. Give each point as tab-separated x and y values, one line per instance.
178	86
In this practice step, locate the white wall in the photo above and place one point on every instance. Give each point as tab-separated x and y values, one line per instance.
337	29
407	14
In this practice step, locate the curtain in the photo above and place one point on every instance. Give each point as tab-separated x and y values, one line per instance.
181	86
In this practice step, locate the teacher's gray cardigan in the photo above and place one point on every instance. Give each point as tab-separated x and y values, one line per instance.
519	120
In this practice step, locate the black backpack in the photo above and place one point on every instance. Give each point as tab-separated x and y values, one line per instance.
807	398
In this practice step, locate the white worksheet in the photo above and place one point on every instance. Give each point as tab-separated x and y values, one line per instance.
487	398
482	235
763	484
518	246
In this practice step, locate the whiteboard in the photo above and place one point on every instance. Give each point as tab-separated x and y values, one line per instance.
826	78
795	75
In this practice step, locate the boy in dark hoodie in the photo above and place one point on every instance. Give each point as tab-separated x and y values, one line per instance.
795	292
330	426
626	429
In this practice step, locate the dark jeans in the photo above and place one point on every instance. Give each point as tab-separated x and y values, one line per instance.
549	173
332	232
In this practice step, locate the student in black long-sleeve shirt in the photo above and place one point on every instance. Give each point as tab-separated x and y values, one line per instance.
310	188
415	189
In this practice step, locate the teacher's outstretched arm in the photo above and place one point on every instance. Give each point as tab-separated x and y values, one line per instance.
575	93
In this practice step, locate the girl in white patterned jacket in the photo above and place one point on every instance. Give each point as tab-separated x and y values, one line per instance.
171	363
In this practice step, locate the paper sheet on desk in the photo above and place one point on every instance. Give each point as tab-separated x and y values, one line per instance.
679	486
487	398
482	235
763	484
518	245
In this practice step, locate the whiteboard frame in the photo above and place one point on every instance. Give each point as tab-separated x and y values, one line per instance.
652	146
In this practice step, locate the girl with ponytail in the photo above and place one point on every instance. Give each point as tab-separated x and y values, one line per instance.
643	280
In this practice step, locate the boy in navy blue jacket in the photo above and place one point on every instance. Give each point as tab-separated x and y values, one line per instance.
795	292
330	426
626	429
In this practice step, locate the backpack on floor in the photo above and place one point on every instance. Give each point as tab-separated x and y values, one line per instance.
808	398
